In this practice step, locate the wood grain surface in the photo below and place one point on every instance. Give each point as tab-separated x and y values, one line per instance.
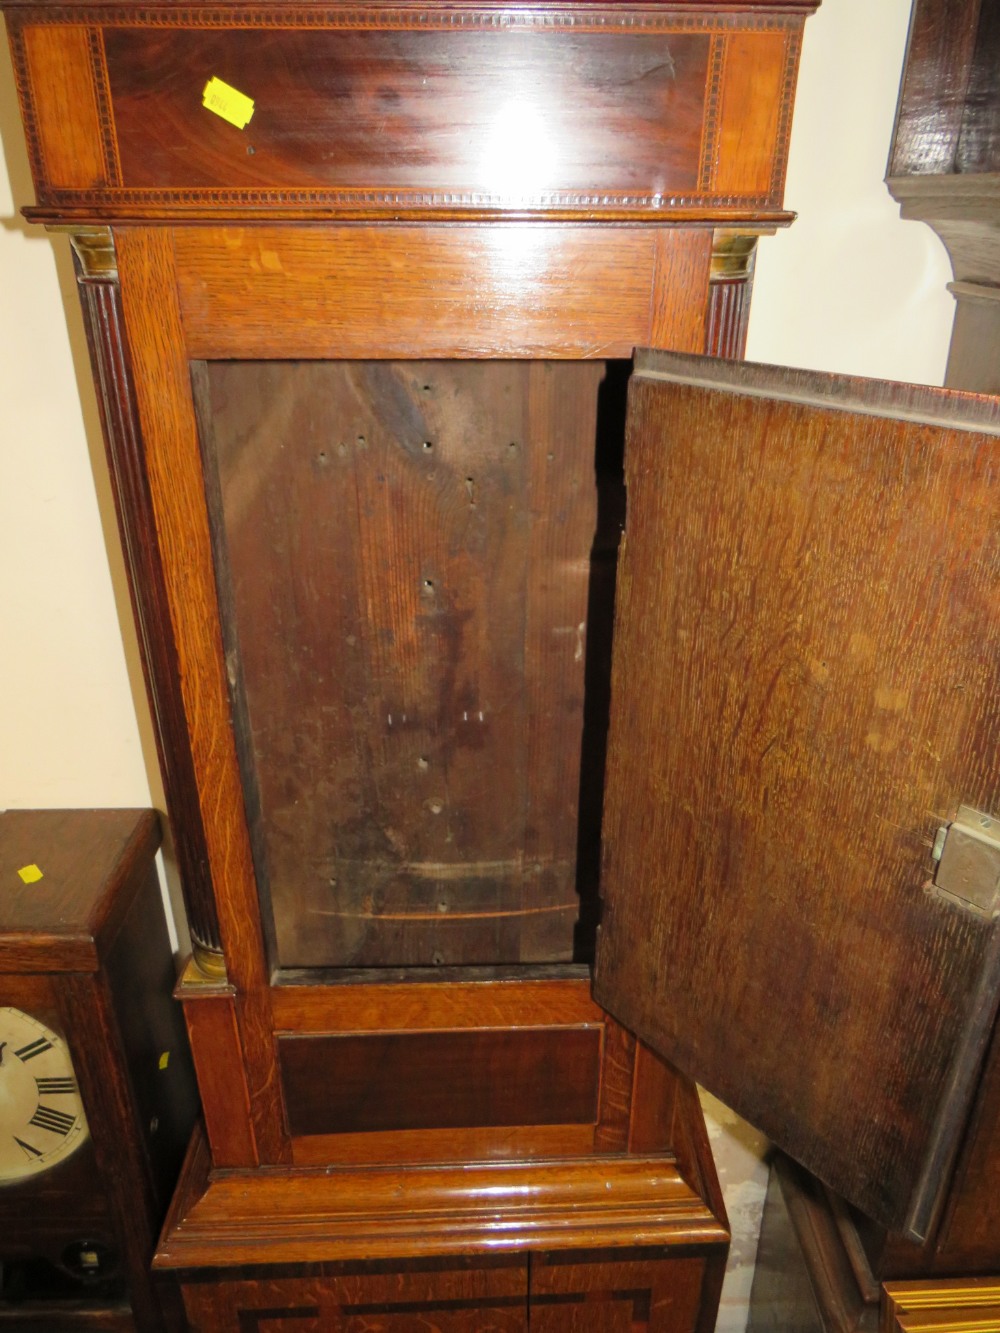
967	1239
979	144
393	1211
100	297
654	112
805	691
219	1063
91	932
65	919
355	1083
469	291
409	1147
441	1003
58	64
729	318
406	553
600	1291
119	1142
946	57
944	165
518	1007
500	112
451	544
615	1293
617	1087
173	460
479	1295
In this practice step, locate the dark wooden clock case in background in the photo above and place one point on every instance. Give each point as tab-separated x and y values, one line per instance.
85	950
395	305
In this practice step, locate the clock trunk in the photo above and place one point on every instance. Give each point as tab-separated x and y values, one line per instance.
415	563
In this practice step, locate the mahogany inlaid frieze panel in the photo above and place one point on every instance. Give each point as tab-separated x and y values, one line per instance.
362	112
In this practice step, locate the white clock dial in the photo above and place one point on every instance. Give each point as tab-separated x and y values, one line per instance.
41	1114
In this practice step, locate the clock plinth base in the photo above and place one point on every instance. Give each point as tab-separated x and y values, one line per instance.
467	1234
315	1215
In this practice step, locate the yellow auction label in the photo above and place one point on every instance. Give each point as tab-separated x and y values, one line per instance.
227	102
30	874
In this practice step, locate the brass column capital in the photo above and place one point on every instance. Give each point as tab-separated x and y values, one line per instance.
94	248
733	254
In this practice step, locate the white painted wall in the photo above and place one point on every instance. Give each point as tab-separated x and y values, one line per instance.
849	288
68	726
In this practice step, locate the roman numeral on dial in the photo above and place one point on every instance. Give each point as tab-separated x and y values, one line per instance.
28	1150
56	1121
33	1048
53	1086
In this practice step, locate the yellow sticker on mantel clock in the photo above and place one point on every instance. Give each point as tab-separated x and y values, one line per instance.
30	874
227	102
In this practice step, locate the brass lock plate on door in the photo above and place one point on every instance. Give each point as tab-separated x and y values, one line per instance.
968	855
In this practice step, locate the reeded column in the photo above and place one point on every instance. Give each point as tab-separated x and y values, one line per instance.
100	295
730	286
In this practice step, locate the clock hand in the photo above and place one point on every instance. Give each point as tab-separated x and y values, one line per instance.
3	1046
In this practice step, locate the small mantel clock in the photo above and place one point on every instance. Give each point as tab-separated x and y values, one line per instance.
96	1090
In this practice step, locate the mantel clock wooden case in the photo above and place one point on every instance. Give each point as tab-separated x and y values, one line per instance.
362	284
97	1095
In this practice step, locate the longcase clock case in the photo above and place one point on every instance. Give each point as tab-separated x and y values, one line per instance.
362	356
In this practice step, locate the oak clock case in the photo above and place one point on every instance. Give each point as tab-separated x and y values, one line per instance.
97	1094
361	362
